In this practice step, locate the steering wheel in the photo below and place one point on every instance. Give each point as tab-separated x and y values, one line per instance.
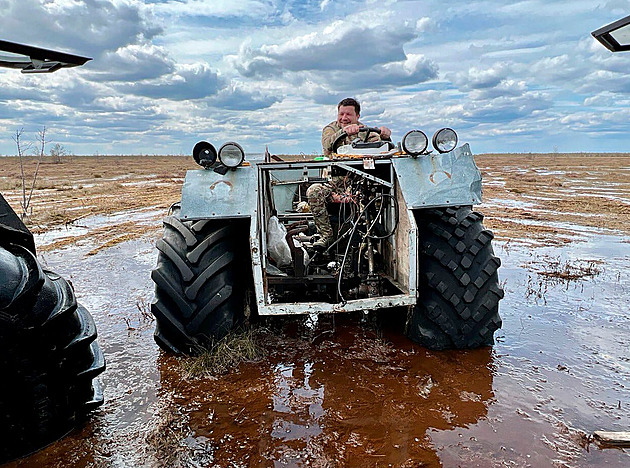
337	143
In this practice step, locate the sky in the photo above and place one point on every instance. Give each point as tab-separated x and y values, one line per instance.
507	76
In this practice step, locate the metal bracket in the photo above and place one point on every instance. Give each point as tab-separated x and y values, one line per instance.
364	174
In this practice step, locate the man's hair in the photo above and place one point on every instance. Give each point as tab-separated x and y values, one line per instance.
350	102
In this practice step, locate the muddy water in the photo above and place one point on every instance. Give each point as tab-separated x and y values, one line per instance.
353	391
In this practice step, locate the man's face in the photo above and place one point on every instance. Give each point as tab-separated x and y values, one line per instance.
347	115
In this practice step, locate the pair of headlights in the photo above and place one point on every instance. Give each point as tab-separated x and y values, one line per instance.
416	142
230	154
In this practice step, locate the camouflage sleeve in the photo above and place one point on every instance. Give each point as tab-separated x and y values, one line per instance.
329	135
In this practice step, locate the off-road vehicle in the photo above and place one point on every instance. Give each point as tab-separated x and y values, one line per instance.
406	236
49	357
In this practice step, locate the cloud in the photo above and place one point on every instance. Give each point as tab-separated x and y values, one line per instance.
481	78
414	69
343	45
236	97
85	27
193	81
217	8
271	71
505	88
133	62
504	109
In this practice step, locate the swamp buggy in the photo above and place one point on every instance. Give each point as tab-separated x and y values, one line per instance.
241	242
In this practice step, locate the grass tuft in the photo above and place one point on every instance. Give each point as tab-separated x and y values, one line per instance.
225	355
566	271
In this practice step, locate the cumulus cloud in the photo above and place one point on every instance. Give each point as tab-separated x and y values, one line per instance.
217	8
133	62
481	78
193	81
414	69
272	71
86	27
504	109
505	88
236	97
340	46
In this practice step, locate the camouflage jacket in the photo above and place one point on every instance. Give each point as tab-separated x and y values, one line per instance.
333	130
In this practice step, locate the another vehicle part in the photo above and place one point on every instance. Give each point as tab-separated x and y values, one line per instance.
37	60
49	358
445	140
615	36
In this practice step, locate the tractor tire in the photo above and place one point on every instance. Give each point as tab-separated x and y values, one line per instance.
199	282
49	357
458	285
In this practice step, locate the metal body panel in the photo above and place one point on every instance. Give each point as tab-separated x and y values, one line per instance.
373	303
207	194
447	179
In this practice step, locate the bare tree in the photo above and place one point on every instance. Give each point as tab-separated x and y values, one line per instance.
39	153
57	151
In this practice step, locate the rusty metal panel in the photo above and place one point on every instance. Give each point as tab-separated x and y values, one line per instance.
207	194
439	179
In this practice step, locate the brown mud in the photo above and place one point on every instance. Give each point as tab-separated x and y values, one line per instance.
351	390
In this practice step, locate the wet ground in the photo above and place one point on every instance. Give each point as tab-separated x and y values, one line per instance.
352	390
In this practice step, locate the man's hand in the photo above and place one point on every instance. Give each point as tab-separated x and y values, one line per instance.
351	129
386	133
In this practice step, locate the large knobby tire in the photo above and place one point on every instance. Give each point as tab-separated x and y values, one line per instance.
49	357
200	282
458	285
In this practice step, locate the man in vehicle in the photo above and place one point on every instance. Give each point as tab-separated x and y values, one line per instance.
347	121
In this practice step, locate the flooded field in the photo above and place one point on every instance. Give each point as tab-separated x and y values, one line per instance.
352	390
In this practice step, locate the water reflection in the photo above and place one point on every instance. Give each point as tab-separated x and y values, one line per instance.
349	399
341	392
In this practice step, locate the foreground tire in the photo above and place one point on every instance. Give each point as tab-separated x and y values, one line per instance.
458	286
199	282
49	356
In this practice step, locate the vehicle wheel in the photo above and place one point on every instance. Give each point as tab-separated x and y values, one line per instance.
199	294
458	286
49	356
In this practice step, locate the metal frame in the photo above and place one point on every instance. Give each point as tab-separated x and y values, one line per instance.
604	36
259	251
38	60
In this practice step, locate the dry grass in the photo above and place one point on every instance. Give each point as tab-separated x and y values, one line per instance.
567	271
225	355
105	236
91	185
165	440
539	193
541	197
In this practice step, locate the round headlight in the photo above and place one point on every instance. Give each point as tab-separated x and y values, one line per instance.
204	154
231	154
445	140
415	142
